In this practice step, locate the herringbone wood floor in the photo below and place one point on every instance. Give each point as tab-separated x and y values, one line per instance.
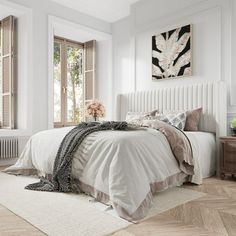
213	214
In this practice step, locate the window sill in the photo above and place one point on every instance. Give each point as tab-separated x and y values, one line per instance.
14	132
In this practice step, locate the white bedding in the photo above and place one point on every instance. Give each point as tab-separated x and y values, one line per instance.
119	164
204	146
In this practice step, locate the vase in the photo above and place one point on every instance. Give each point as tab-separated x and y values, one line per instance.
233	130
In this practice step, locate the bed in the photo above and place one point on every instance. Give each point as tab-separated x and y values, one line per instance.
125	168
204	146
211	96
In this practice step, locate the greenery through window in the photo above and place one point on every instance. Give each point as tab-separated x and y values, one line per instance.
68	82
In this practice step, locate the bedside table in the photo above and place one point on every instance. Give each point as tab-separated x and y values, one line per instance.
228	156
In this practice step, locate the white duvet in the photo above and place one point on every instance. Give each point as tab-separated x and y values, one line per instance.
119	164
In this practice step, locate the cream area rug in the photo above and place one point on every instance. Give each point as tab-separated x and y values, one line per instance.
75	214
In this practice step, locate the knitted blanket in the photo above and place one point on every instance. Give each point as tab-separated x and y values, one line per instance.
61	177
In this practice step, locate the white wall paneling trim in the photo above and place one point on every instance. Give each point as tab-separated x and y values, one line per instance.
166	25
24	67
50	72
143	39
233	55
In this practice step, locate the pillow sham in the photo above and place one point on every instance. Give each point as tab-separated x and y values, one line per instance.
177	119
137	117
193	119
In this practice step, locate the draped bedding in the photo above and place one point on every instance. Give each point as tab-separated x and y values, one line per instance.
121	168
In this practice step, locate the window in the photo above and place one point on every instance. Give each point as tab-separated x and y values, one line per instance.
7	72
74	74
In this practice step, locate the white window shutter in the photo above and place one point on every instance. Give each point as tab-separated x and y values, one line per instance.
8	66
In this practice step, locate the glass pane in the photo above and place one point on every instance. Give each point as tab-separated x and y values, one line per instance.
74	84
57	82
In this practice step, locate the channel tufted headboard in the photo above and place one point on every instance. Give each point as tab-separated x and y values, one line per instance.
211	96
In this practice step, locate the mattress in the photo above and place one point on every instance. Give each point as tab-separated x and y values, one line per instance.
204	147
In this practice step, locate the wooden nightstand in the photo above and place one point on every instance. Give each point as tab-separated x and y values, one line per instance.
228	156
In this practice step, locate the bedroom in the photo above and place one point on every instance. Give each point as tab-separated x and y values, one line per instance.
121	63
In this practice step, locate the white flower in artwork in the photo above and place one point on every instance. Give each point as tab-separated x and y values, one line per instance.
171	54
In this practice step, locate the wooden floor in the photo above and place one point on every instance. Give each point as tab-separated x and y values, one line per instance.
13	225
213	214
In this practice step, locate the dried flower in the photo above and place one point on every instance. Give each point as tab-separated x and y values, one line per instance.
95	109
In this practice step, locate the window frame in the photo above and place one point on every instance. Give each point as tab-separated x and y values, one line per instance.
64	43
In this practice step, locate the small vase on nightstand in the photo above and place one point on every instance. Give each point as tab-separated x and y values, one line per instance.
233	126
233	130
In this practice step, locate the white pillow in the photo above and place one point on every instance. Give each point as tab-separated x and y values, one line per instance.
137	117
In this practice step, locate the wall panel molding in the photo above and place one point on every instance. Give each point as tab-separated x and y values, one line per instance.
169	21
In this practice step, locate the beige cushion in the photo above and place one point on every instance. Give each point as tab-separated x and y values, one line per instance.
192	119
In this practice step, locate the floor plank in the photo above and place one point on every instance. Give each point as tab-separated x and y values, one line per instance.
11	225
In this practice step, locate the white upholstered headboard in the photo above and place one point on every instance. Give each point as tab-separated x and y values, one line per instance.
211	96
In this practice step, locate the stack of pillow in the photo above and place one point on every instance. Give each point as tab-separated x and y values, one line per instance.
183	120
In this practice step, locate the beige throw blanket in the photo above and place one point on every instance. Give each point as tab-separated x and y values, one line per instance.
179	143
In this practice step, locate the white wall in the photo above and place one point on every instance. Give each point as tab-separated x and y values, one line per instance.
214	30
33	91
214	51
23	16
103	76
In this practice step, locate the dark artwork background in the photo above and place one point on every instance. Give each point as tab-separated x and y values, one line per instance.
171	53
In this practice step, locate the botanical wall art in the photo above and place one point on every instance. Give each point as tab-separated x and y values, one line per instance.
171	53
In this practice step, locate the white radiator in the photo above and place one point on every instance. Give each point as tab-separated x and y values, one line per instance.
8	148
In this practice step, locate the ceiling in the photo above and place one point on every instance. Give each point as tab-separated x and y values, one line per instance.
74	32
6	11
107	10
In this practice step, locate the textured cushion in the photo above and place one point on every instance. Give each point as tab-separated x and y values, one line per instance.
137	117
176	119
193	119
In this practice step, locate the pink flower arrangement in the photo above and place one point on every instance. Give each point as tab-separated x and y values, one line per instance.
95	109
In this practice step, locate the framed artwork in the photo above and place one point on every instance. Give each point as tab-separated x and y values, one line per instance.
172	53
